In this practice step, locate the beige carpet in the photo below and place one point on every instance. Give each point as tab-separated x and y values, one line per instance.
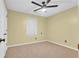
41	50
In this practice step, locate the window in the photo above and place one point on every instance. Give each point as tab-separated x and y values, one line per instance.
31	26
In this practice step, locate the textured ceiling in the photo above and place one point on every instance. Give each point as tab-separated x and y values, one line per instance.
26	6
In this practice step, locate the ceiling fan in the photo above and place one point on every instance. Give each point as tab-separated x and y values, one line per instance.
43	5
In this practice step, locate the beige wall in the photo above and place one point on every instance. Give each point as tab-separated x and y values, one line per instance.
17	30
63	26
57	28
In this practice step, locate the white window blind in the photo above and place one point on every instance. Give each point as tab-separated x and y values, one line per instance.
31	27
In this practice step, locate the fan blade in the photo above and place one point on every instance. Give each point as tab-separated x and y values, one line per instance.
51	6
37	9
48	1
36	3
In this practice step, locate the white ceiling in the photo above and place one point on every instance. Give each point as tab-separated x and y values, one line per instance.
26	6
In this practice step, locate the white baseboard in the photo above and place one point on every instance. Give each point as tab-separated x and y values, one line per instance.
43	41
26	43
63	45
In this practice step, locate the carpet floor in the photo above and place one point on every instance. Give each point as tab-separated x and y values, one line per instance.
41	50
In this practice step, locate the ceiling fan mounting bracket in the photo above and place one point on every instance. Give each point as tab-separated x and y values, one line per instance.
43	2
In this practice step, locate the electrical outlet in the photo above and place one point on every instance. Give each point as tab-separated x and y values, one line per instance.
65	41
35	38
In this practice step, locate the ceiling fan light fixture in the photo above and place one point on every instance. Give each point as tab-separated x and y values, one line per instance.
43	10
